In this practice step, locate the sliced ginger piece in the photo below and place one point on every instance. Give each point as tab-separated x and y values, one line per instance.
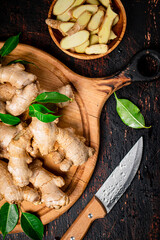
94	39
96	20
105	2
93	2
112	35
115	21
61	6
75	39
76	12
82	47
65	17
95	31
105	28
81	23
63	27
96	49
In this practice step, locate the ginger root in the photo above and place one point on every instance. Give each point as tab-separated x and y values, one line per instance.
7	92
22	99
49	185
19	158
46	135
8	190
2	107
16	75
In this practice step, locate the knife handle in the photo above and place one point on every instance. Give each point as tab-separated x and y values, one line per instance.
80	226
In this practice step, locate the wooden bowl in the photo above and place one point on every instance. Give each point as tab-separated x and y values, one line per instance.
119	30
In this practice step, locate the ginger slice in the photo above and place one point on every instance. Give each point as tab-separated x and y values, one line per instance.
22	99
8	190
81	23
16	75
75	39
61	6
97	49
77	11
112	35
115	21
96	20
65	17
94	39
105	2
105	28
95	31
49	185
63	27
82	47
7	91
93	2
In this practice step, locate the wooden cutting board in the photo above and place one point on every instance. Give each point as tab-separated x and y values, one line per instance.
83	115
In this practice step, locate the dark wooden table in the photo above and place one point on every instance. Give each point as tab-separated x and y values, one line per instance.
137	214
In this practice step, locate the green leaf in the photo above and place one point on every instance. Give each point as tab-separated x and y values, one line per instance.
24	62
42	113
32	226
52	97
9	45
8	218
130	113
9	119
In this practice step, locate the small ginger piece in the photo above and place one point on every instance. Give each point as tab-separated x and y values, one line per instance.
96	49
66	16
30	195
75	39
112	35
81	23
105	28
82	47
61	6
16	75
65	165
7	92
77	11
19	158
95	31
2	107
8	190
105	3
22	99
66	90
63	27
93	2
115	21
94	39
96	20
49	185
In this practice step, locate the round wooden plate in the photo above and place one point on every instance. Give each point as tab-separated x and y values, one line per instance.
83	115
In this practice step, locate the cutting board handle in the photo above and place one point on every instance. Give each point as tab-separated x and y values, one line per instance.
79	228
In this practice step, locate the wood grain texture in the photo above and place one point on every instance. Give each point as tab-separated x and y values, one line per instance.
137	214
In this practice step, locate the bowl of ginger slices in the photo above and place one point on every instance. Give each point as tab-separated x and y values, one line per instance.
87	29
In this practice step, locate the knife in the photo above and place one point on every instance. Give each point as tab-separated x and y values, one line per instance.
109	193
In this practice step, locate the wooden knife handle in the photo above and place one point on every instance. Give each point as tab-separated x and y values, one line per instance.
80	226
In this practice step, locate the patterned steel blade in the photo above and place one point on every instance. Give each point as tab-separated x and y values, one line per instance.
120	179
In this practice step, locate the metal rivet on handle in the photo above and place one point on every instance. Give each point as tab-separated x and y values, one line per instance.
72	238
90	215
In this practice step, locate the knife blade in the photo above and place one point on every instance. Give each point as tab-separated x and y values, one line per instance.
109	193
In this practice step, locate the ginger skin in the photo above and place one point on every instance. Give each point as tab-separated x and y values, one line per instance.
19	159
7	92
8	190
46	135
16	75
49	185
